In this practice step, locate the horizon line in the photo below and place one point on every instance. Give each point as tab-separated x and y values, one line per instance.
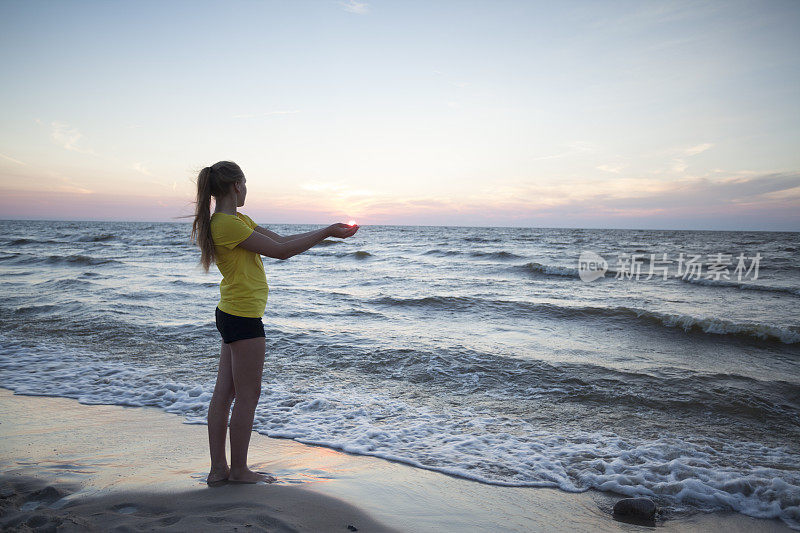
406	225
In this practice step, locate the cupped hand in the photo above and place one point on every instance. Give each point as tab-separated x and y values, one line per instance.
342	230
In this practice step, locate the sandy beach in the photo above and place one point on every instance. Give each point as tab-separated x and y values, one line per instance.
464	266
69	466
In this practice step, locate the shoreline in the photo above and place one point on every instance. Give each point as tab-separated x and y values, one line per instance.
143	467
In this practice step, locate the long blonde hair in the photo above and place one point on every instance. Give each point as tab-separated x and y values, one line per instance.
212	181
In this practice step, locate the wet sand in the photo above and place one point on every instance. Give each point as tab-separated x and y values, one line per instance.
102	467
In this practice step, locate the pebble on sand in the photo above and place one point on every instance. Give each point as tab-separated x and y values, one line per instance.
641	508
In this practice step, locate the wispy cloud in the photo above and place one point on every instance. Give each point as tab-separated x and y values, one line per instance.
609	168
690	194
265	114
679	165
65	184
69	138
678	162
792	194
140	168
35	179
355	7
619	199
17	161
694	150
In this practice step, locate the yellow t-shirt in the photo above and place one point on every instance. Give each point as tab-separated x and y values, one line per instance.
243	290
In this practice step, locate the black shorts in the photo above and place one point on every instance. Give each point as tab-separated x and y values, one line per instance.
236	328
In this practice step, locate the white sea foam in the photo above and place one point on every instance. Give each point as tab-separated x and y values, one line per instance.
721	326
679	474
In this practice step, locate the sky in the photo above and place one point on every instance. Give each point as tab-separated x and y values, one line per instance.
652	115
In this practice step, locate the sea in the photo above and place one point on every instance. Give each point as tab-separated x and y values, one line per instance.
663	364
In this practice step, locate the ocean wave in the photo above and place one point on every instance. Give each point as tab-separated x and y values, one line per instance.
539	269
354	312
12	274
548	270
355	254
442	253
359	254
496	255
728	284
569	272
153	295
481	239
499	254
470	372
78	259
73	259
35	309
65	284
328	242
708	325
678	473
21	242
185	283
101	237
123	326
717	326
695	324
96	275
185	244
451	302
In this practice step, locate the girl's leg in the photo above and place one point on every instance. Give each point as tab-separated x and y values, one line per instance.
247	365
218	411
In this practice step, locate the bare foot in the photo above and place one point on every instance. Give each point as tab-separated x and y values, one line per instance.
248	476
217	475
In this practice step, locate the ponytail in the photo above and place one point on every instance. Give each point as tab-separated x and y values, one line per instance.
211	181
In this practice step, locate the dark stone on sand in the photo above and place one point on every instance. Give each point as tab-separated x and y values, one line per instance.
47	494
352	528
640	508
36	520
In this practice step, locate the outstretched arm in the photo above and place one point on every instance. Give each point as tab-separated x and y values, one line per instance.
272	235
263	244
281	238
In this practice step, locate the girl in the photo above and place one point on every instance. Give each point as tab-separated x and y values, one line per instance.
235	243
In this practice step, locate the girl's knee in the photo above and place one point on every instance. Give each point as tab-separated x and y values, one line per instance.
249	396
224	393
